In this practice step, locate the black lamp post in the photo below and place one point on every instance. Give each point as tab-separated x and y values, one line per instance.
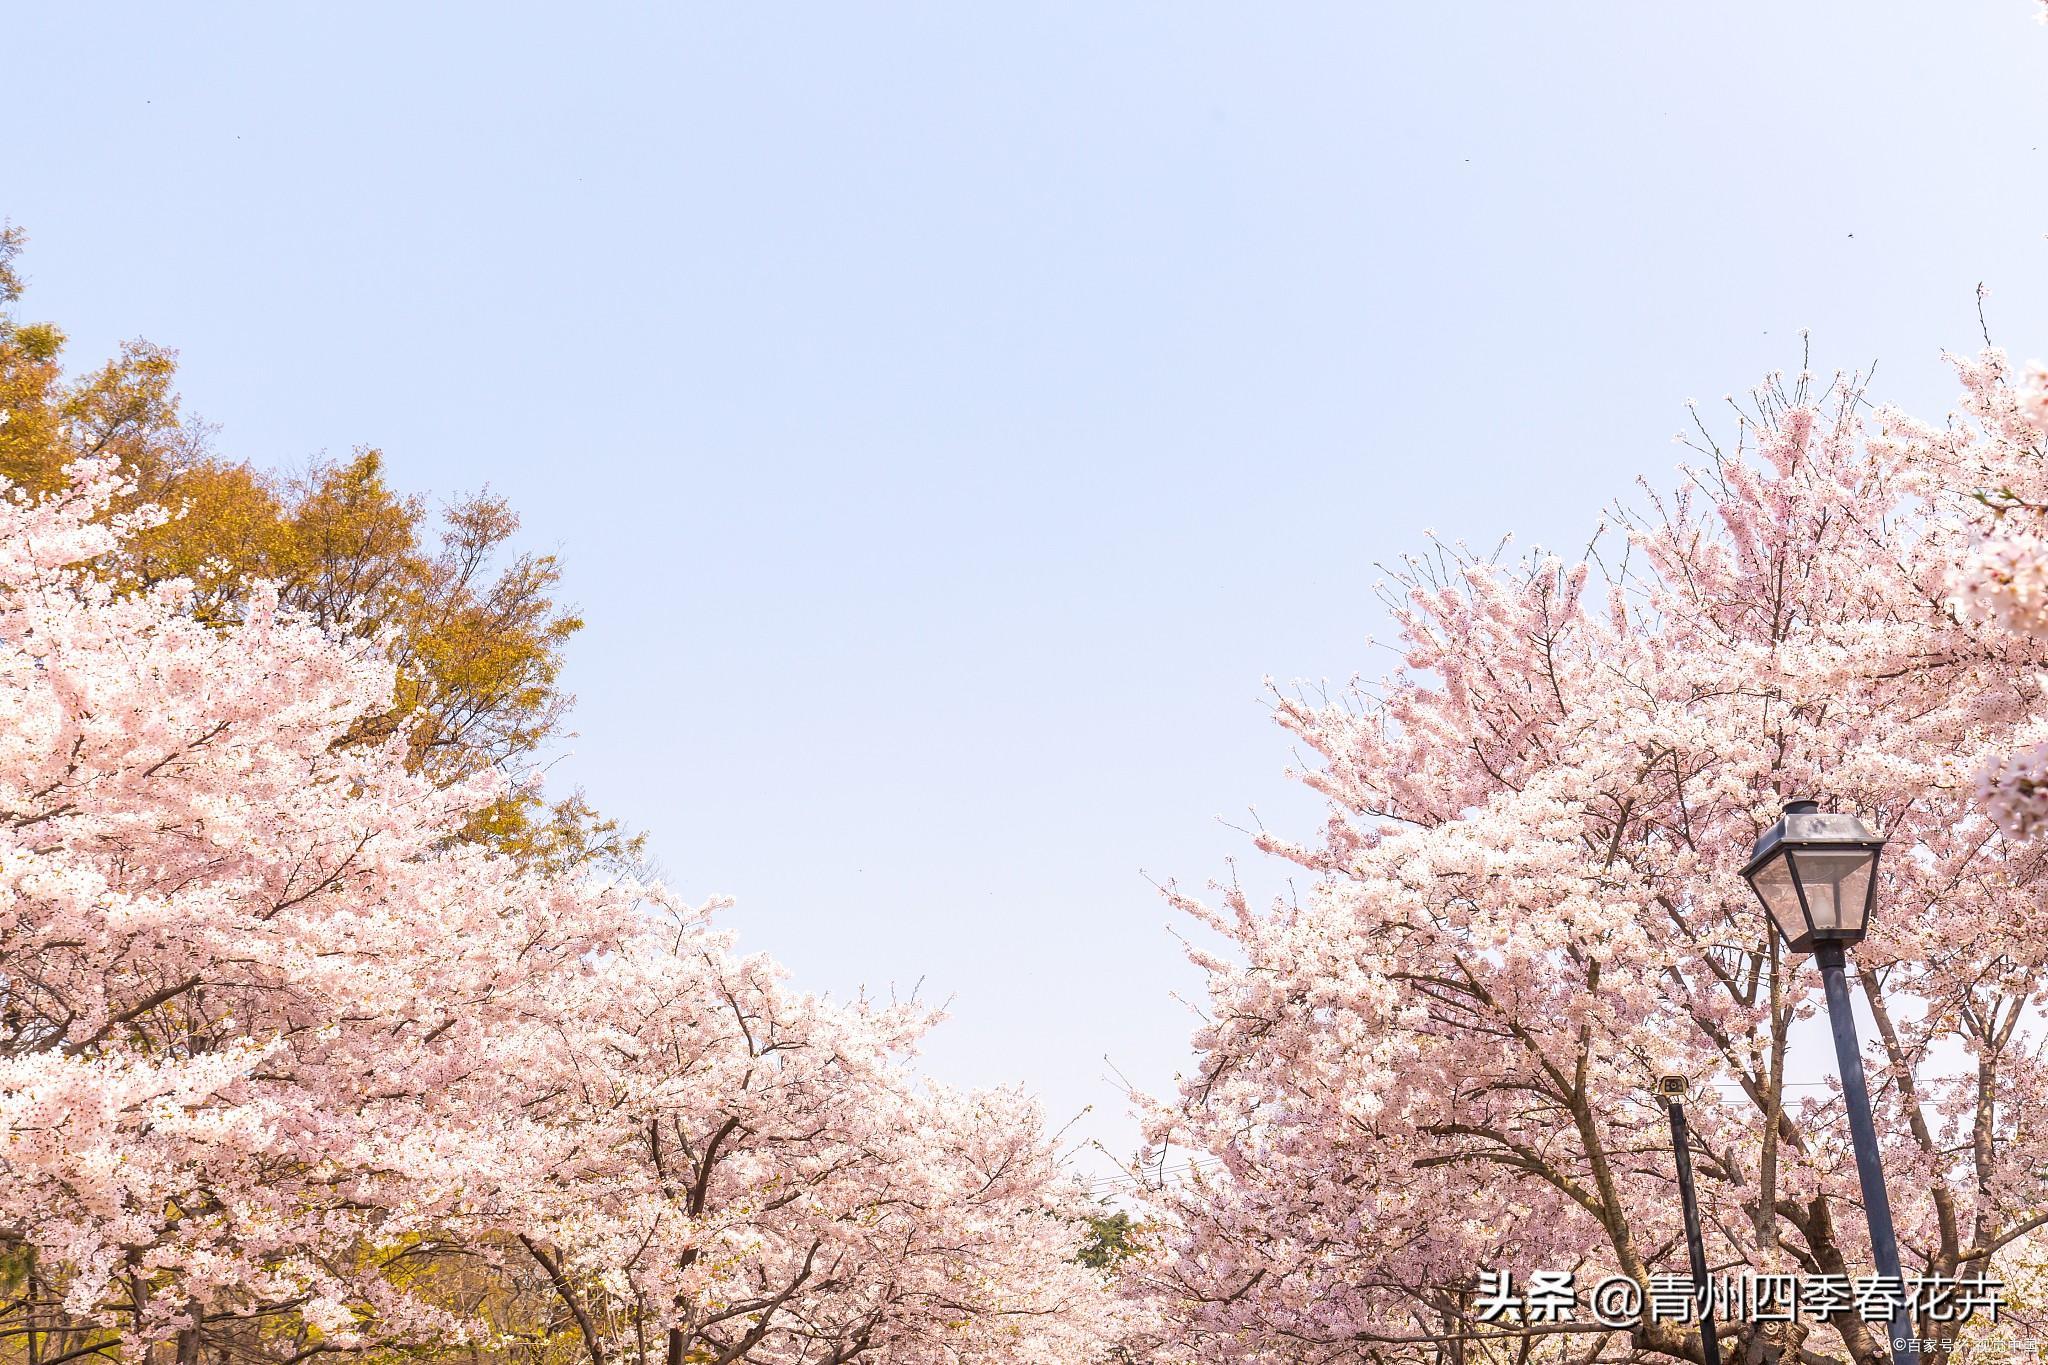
1672	1088
1817	877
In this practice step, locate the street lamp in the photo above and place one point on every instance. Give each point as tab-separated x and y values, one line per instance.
1672	1088
1816	875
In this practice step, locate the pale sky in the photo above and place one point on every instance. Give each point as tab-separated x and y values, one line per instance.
948	414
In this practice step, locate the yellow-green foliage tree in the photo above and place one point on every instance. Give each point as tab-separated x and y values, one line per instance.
476	630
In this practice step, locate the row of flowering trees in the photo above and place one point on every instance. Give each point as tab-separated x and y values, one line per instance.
290	1065
1525	907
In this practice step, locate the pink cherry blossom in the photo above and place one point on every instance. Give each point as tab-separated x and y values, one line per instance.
272	1035
1525	907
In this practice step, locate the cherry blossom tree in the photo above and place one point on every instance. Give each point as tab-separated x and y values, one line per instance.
256	1001
1524	907
748	1173
2003	445
283	1054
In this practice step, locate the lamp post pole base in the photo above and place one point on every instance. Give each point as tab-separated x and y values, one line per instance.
1884	1247
1695	1244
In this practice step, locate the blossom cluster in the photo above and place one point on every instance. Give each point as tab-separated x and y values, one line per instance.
1525	904
279	1047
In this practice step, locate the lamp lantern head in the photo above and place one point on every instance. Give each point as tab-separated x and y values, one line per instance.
1816	874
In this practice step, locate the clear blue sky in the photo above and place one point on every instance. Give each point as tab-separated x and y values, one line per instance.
948	414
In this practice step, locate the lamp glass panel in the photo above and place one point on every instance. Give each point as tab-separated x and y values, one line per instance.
1837	886
1773	883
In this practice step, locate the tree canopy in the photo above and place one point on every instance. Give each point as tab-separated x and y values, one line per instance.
475	627
289	1066
1526	907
